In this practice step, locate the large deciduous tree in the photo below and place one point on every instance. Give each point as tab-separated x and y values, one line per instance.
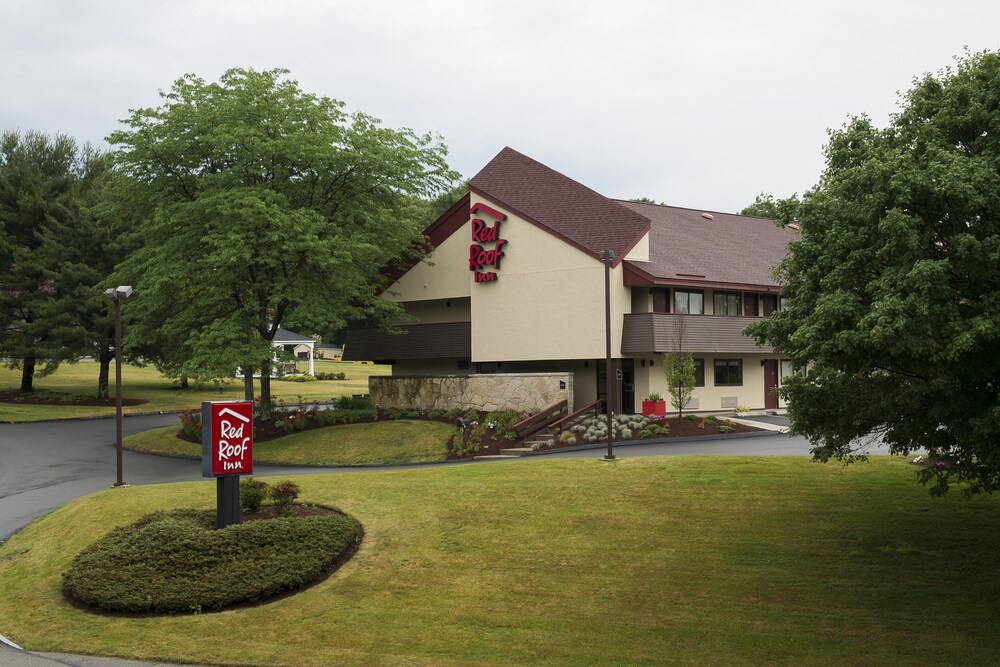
266	203
781	210
894	286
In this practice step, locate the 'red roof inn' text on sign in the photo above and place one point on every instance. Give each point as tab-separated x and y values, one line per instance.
482	233
226	438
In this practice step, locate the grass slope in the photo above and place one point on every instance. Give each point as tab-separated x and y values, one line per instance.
708	560
378	443
80	380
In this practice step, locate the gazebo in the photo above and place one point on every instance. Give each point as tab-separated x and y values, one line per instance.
303	347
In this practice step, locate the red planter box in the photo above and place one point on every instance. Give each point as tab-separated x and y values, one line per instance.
654	408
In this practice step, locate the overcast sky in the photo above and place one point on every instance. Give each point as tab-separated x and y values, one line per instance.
699	104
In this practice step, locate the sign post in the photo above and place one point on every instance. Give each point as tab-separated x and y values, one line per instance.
227	453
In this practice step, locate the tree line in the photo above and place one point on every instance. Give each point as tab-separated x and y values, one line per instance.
233	208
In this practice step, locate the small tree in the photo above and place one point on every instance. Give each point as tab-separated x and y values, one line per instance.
678	367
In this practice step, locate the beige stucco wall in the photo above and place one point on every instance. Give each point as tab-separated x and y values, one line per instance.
640	252
750	394
547	302
444	274
501	391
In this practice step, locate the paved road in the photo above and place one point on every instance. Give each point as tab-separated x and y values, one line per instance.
44	465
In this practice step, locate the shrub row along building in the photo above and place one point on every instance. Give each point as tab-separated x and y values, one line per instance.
515	290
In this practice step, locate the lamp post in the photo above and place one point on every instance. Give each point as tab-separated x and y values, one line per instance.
608	256
118	294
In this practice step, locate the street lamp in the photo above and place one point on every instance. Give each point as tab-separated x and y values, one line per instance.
608	256
118	294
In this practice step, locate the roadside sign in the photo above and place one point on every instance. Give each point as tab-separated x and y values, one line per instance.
226	438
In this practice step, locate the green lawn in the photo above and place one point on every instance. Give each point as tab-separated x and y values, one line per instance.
379	443
80	380
691	560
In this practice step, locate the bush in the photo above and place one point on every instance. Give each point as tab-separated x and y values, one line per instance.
284	494
297	378
293	422
503	421
335	417
725	428
253	493
191	423
691	418
176	562
462	446
353	403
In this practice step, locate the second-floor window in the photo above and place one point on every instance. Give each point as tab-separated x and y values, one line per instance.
691	302
728	303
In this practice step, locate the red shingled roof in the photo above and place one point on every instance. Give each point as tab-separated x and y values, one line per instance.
685	247
557	203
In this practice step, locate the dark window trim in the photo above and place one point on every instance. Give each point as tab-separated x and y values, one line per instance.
727	365
699	292
728	293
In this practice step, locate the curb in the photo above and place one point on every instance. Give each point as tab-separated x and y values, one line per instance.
91	417
653	441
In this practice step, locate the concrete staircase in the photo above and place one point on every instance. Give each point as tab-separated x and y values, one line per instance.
540	438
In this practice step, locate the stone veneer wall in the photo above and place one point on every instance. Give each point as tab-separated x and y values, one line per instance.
497	391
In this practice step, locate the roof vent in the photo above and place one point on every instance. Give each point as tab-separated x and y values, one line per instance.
708	216
793	225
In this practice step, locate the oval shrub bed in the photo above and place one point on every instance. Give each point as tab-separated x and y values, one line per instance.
177	562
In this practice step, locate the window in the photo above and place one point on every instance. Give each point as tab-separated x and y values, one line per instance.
783	303
661	300
699	372
691	302
788	369
728	372
727	303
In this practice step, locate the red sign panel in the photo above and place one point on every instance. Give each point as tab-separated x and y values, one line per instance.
229	428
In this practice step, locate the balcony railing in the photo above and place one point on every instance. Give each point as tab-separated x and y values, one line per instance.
658	332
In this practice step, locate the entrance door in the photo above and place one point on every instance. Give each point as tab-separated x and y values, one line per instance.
771	384
628	386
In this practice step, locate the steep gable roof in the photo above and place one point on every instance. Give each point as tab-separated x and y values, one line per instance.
690	246
560	205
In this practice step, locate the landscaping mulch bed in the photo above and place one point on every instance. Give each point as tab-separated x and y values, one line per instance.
49	398
490	444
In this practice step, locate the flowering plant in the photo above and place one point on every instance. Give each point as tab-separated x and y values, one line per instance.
191	423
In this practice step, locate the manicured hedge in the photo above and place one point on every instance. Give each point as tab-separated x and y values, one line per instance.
176	562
